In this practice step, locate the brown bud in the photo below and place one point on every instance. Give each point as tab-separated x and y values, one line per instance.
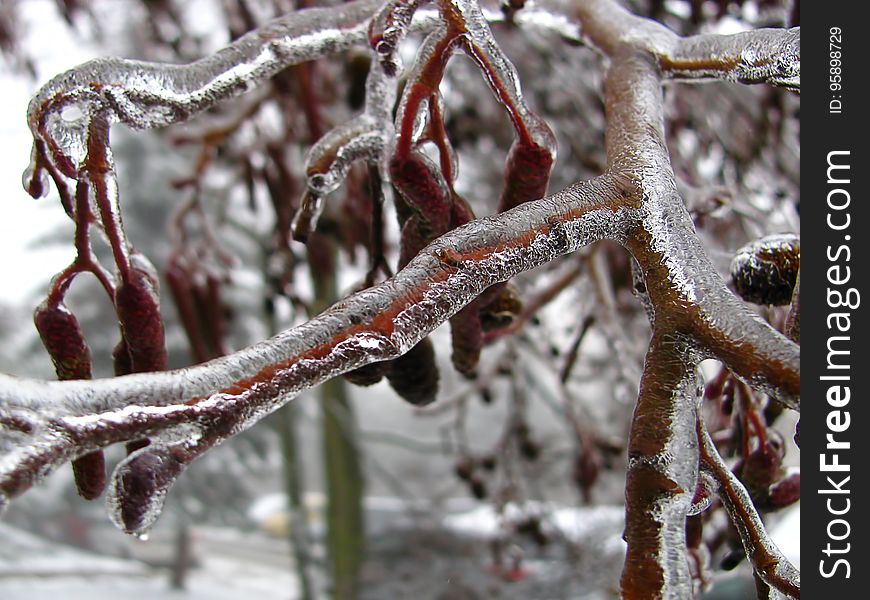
765	271
140	487
422	187
530	449
138	309
531	526
785	492
369	374
478	488
526	174
90	474
467	337
502	310
464	468
414	375
63	340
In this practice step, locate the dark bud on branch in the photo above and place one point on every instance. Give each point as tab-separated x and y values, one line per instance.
63	340
765	271
65	343
138	309
369	374
90	474
140	485
414	375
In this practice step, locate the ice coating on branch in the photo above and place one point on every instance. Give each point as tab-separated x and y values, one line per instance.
146	95
376	324
46	425
412	114
767	560
663	468
761	56
388	28
365	137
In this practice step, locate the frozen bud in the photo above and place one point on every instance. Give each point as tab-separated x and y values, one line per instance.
414	375
477	487
529	449
527	174
121	359
138	309
90	474
765	271
489	462
139	488
35	179
502	310
786	491
465	468
63	339
422	187
467	337
532	527
369	374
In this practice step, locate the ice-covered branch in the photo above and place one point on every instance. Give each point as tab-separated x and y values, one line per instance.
762	56
767	560
662	472
675	265
635	203
46	424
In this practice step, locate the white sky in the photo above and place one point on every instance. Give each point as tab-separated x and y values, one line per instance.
24	268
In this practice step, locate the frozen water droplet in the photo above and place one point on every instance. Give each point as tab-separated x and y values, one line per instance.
319	183
35	181
72	113
383	48
704	494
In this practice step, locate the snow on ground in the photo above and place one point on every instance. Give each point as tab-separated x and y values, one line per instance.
229	565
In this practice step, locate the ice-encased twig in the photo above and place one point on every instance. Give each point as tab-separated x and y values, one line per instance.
145	95
761	56
766	559
636	203
366	137
673	261
662	471
46	423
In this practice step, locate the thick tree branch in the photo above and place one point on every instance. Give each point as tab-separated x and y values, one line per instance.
53	422
762	56
635	203
662	473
